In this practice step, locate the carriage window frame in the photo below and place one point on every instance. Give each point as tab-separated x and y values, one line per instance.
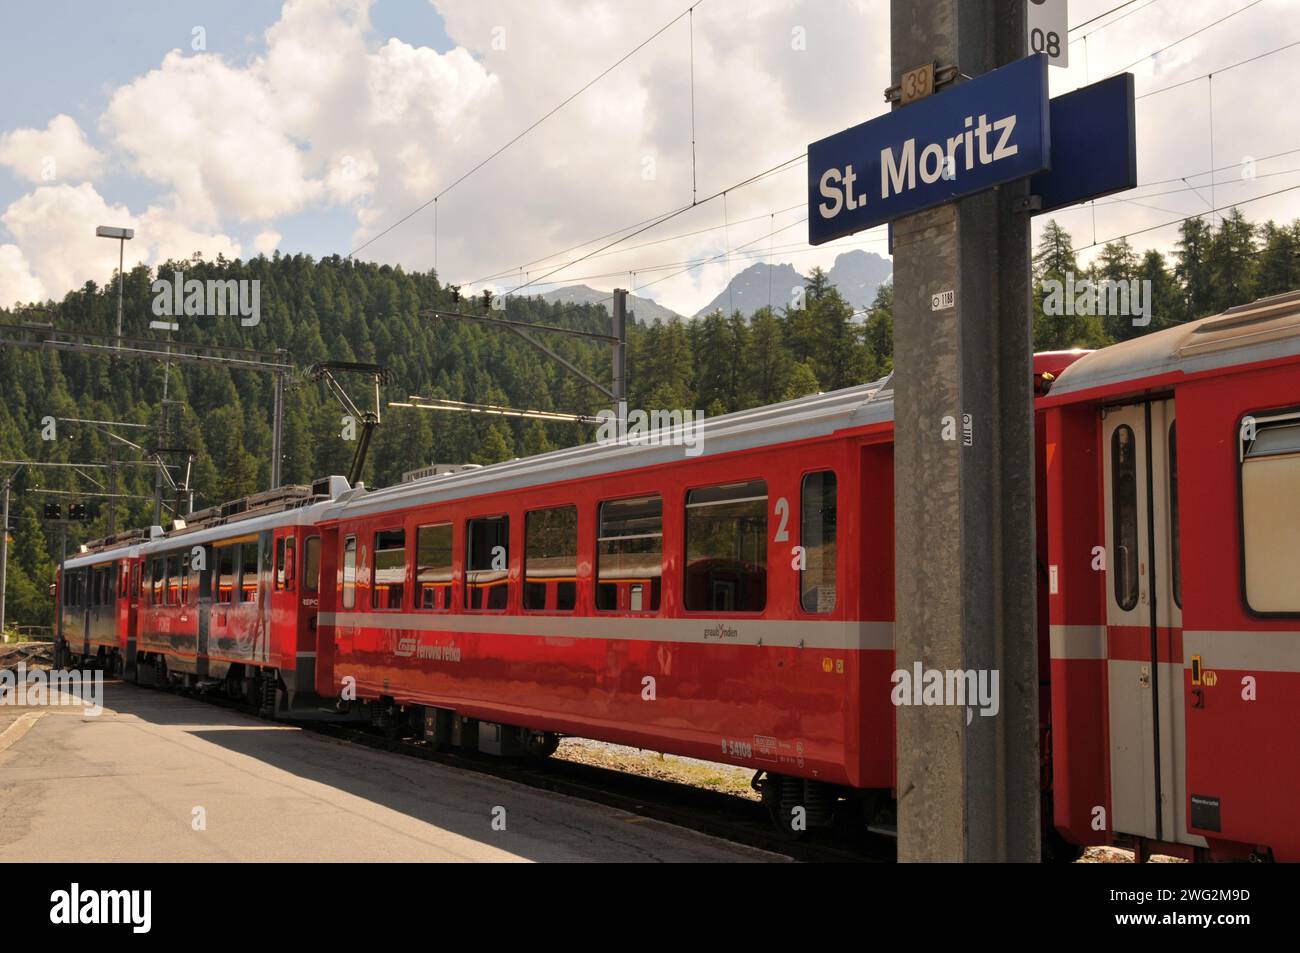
692	503
311	554
571	540
393	605
244	567
1127	597
468	583
833	525
442	592
348	566
1265	421
219	553
640	602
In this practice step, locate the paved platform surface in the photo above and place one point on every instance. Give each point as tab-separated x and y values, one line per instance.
128	785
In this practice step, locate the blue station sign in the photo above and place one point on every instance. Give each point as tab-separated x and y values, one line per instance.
978	134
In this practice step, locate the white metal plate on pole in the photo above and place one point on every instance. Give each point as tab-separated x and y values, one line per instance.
1048	26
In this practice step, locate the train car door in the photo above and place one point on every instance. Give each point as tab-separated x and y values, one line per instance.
1144	620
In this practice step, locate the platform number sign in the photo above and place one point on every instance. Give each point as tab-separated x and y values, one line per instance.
1048	26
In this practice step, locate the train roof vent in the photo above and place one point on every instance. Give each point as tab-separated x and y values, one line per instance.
1268	319
438	469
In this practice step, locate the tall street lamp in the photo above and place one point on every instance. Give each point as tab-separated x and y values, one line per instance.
123	235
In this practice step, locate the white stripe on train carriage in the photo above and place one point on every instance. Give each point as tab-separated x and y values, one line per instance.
1275	651
809	634
1078	641
1245	651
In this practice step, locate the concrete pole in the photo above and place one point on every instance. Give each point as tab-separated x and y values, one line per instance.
620	357
964	507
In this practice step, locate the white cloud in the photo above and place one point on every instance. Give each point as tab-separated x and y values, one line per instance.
215	135
58	152
267	242
17	283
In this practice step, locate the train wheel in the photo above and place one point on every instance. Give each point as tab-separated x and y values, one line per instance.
540	744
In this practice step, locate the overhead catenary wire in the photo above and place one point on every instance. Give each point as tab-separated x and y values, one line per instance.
510	142
1184	39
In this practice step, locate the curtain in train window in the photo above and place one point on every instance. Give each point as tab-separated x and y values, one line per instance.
726	548
487	562
225	563
817	533
630	554
551	558
311	564
1123	480
350	572
433	566
389	580
248	572
1270	512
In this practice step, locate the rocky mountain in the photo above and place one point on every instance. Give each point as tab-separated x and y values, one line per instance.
857	274
643	309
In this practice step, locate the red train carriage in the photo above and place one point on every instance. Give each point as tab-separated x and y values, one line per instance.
230	598
1173	486
735	606
96	603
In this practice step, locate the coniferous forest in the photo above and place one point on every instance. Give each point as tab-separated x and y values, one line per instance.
340	310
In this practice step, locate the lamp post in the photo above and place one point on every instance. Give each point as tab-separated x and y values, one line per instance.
123	235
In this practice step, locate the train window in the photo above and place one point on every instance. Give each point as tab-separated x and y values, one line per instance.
290	561
433	566
279	563
1176	570
173	587
630	554
185	579
135	577
551	559
1270	511
157	579
817	526
1124	516
726	548
389	579
350	572
96	593
225	559
248	572
193	581
124	580
487	543
311	564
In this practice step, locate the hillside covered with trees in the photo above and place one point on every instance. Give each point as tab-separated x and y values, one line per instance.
336	309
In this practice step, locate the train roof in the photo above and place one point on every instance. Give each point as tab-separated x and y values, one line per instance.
255	524
1262	330
96	556
803	418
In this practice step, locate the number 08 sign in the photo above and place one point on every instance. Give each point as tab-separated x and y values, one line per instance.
1048	26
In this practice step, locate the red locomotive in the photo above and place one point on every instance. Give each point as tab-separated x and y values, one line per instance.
737	605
